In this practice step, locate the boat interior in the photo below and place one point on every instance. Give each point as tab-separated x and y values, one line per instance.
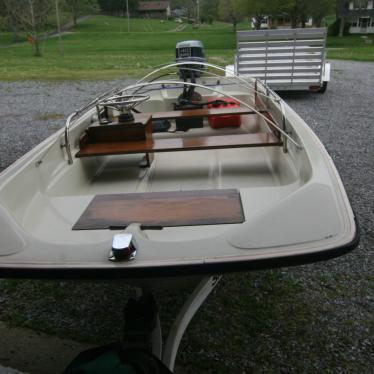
232	153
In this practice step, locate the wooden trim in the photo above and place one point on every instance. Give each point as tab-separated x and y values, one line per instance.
163	209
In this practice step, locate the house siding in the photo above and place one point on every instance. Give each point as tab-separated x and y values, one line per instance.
361	19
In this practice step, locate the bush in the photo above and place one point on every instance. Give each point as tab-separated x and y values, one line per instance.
209	19
333	29
3	24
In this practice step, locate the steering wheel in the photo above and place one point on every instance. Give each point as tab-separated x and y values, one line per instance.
123	102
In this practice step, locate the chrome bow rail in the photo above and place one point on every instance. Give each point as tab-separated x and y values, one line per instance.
75	115
276	99
135	93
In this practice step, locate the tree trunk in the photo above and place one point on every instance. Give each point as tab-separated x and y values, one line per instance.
234	24
258	20
15	36
58	24
303	23
293	20
37	52
317	22
342	25
75	19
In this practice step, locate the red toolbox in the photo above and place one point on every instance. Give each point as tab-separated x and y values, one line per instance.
231	120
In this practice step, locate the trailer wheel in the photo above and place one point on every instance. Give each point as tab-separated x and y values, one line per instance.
323	89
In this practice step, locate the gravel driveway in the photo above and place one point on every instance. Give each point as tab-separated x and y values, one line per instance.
314	318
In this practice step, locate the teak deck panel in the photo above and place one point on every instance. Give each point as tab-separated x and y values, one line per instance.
163	209
180	144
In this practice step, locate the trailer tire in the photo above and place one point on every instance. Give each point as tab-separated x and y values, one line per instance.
323	89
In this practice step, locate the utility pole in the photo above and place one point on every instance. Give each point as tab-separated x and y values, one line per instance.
128	16
61	45
198	11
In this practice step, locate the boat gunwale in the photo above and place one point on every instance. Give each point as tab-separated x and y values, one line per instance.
172	271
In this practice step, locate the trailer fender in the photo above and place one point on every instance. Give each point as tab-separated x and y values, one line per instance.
326	73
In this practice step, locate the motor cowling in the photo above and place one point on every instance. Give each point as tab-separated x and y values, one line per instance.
190	50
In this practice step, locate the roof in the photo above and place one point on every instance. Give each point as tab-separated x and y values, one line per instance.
153	5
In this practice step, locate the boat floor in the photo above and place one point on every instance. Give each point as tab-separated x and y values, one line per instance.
248	170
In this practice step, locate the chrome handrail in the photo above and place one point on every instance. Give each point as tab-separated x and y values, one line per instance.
170	82
75	115
66	145
267	93
242	82
277	99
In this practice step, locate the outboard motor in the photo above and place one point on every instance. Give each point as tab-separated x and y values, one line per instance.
190	50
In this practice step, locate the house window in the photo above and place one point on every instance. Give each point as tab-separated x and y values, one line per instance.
361	4
364	22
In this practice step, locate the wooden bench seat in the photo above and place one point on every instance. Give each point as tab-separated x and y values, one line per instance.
137	137
180	144
193	113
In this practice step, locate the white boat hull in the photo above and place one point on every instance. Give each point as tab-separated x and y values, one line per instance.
295	206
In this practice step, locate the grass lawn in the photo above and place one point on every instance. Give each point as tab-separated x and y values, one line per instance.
351	47
5	39
101	48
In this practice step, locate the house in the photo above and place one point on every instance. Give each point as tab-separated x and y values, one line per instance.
282	21
179	12
154	9
361	16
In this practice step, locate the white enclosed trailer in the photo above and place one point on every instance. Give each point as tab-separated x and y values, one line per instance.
285	59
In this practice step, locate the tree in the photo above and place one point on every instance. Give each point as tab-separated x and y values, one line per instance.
78	8
300	13
342	7
232	11
117	7
297	11
30	16
191	7
301	10
8	22
258	10
319	9
209	8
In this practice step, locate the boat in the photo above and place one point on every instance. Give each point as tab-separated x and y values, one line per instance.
186	174
164	164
